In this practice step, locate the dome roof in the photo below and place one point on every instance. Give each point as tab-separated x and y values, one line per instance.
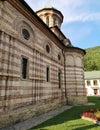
50	8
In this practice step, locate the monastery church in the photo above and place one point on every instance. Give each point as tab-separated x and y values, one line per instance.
40	69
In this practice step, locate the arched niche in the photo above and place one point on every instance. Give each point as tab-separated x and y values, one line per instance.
78	61
70	60
21	25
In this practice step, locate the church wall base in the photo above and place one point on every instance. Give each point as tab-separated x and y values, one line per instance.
77	100
16	116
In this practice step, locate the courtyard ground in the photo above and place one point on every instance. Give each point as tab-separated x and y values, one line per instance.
71	119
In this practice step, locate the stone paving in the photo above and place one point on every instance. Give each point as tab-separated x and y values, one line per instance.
26	125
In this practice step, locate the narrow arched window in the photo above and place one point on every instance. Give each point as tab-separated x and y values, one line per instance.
47	74
47	20
47	48
54	21
59	78
24	67
59	57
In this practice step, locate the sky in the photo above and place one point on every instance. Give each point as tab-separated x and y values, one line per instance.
81	22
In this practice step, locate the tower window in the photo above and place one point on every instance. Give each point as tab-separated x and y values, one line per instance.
24	68
54	21
47	20
47	74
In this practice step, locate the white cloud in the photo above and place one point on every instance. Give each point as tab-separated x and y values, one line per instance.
81	18
78	10
73	10
84	17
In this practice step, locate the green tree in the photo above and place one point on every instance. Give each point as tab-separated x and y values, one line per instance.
92	59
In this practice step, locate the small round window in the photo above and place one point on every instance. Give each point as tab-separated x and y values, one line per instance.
48	48
26	34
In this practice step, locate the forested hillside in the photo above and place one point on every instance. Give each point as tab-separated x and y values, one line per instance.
92	59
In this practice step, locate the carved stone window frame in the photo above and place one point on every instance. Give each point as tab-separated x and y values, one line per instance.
21	24
26	75
26	34
22	36
47	46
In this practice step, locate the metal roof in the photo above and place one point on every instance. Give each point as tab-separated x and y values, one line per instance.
92	75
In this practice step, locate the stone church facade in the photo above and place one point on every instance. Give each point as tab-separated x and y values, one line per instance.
40	70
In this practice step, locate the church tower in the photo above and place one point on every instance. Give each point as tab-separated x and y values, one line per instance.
51	16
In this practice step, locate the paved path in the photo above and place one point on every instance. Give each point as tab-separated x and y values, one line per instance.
25	125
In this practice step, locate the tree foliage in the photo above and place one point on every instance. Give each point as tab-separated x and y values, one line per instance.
92	59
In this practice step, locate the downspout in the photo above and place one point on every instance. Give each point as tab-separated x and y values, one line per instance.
65	76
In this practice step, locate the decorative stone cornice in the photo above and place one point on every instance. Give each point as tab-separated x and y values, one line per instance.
75	49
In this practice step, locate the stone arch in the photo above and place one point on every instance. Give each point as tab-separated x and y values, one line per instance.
78	61
70	60
21	23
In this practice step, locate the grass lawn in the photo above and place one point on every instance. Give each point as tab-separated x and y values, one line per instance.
71	119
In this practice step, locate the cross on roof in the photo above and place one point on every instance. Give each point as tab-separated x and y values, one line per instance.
48	3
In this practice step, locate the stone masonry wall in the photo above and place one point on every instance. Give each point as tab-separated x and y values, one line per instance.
21	99
19	115
75	87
